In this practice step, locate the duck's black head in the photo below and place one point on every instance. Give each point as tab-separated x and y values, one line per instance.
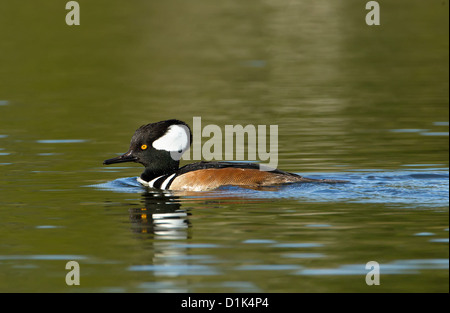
157	146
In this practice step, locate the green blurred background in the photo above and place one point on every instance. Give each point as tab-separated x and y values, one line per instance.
345	96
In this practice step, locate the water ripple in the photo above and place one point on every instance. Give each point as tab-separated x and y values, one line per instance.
409	188
395	267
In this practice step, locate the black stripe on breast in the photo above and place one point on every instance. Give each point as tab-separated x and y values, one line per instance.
159	181
170	181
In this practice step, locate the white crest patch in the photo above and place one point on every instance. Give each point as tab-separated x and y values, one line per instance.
175	140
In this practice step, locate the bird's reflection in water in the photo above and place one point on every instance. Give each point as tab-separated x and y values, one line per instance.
160	216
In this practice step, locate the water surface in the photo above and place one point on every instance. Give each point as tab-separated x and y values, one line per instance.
365	104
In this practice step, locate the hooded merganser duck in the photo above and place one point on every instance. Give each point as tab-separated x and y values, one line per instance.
159	146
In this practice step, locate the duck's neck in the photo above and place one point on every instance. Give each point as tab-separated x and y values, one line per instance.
154	170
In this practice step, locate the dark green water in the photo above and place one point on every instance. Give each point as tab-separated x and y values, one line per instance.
367	104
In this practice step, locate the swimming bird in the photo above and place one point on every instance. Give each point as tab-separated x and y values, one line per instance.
159	146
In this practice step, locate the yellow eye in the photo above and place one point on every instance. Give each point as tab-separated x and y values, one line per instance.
143	147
